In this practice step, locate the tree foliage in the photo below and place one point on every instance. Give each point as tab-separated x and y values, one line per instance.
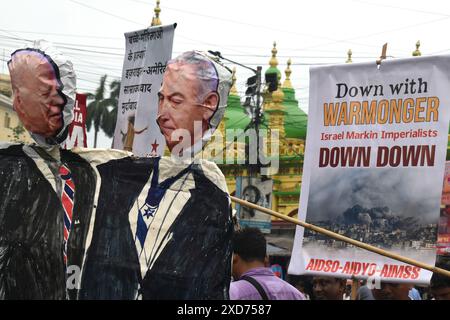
102	110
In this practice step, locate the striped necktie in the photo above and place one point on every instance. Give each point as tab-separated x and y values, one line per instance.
67	198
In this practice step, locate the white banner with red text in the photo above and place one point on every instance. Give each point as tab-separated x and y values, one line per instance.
374	164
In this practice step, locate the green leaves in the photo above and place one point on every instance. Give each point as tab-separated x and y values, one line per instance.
102	111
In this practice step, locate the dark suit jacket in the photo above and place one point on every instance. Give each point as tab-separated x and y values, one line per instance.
195	263
31	225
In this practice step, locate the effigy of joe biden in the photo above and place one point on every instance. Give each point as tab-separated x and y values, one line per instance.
103	224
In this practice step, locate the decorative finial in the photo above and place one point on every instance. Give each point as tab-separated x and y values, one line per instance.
349	56
277	95
417	53
287	82
273	61
156	21
233	90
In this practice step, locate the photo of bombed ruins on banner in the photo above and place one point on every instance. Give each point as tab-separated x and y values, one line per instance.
378	207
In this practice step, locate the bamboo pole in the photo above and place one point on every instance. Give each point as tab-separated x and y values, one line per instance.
343	238
355	287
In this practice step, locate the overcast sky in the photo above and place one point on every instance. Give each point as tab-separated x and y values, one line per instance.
309	32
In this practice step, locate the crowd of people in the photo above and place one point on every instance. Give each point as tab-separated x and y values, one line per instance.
255	280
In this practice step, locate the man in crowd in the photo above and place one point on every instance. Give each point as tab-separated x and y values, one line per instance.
364	293
439	284
392	291
302	283
328	288
252	280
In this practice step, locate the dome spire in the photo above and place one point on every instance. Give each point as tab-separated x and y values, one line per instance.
349	56
287	82
233	90
156	21
273	70
273	61
417	53
278	95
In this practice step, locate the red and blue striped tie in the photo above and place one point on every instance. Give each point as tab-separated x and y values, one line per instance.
67	198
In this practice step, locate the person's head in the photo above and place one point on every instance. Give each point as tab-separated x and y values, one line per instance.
439	284
348	289
300	286
43	92
392	291
38	99
251	194
249	250
301	282
328	288
194	90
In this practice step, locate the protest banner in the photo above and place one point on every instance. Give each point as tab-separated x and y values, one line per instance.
373	170
340	237
77	129
146	55
443	242
259	192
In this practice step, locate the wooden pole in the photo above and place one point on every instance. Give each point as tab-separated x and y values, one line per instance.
343	238
355	287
